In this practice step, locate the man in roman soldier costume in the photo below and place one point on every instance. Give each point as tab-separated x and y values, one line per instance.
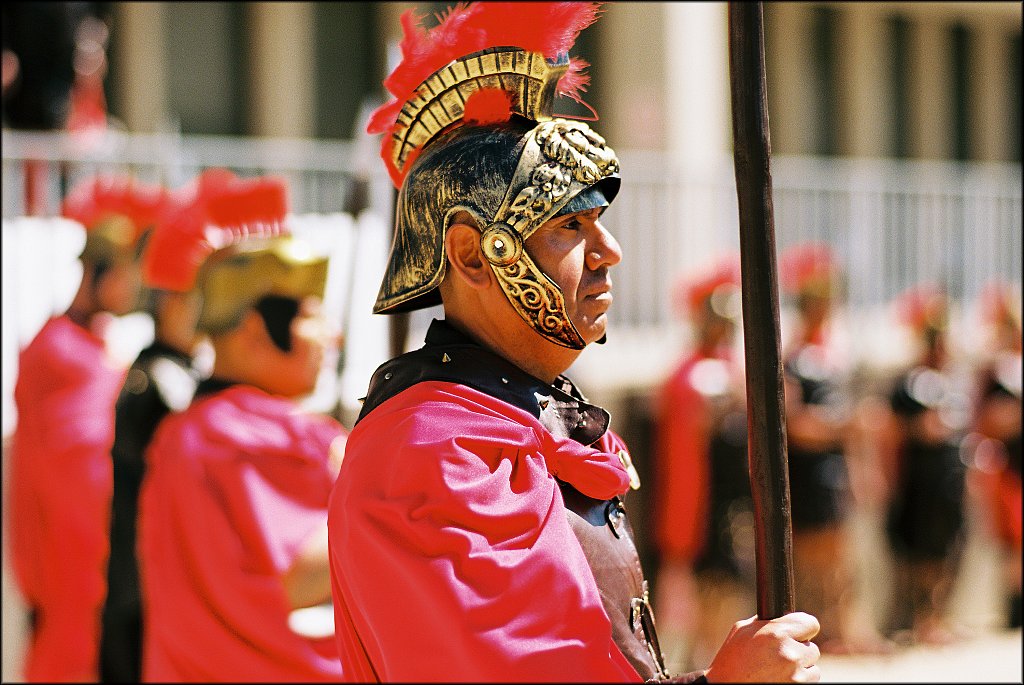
478	528
819	421
162	379
926	518
60	484
232	530
704	517
997	435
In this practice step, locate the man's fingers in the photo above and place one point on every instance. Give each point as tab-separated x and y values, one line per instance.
810	654
801	626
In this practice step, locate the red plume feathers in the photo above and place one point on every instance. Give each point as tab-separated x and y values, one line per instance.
692	291
214	211
98	198
549	28
807	265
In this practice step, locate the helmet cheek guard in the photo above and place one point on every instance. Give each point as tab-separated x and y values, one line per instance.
561	160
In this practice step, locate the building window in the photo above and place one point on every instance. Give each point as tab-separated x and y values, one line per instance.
1013	91
959	46
206	46
826	87
899	80
348	66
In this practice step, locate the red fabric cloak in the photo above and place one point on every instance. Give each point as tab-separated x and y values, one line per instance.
451	555
235	486
684	474
60	489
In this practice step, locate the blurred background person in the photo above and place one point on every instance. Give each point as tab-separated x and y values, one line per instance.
162	379
40	43
819	424
703	507
925	521
60	479
997	435
233	510
54	60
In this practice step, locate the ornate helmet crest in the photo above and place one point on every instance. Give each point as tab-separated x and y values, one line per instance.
230	241
116	211
471	129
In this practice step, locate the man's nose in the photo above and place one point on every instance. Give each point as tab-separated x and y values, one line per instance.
604	249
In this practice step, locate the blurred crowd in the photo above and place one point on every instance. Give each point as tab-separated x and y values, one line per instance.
191	483
916	448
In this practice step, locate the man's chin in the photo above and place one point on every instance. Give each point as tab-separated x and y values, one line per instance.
596	331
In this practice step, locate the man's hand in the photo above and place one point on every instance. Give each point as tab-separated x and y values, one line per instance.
776	651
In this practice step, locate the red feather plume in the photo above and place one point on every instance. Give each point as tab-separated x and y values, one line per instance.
549	28
691	292
93	201
807	265
216	210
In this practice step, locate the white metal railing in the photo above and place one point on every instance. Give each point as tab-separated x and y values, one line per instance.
320	173
892	224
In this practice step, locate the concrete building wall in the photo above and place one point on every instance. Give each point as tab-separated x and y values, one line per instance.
663	70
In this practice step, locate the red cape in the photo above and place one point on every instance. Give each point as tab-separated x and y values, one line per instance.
681	457
451	555
60	489
235	486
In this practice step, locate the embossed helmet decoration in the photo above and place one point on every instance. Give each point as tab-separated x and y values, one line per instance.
471	130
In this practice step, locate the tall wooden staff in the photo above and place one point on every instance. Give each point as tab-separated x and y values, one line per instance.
766	418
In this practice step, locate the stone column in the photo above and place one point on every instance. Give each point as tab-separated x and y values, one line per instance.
697	97
791	104
988	97
865	96
282	69
139	65
931	129
631	71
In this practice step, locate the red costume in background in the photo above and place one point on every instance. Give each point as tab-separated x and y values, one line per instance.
683	440
235	486
701	447
60	490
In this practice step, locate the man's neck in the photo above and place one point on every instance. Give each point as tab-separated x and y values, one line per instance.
520	345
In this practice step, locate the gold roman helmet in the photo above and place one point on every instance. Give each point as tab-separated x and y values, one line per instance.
472	130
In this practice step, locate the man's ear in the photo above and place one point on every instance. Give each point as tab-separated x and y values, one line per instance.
465	258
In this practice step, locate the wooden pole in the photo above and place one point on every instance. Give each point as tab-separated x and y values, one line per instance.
766	418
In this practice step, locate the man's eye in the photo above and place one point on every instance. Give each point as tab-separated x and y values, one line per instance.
573	225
